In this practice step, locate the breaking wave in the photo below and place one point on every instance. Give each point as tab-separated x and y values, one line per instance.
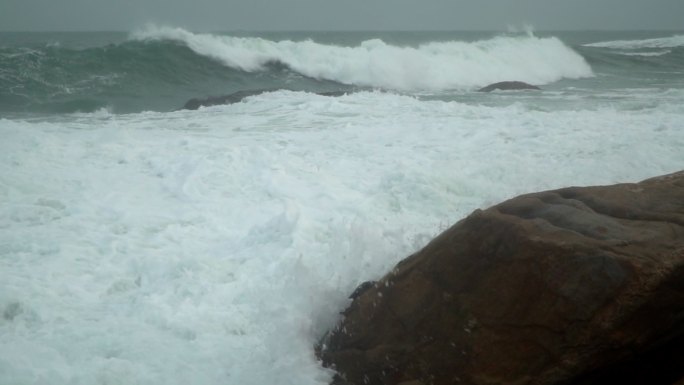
374	63
662	42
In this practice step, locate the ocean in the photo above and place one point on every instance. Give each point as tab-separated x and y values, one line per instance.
141	243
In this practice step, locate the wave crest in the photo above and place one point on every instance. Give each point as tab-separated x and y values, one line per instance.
374	63
646	54
662	42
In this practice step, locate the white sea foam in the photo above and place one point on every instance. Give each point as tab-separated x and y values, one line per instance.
661	42
216	246
374	63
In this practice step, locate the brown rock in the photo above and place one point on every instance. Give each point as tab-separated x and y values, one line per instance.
572	286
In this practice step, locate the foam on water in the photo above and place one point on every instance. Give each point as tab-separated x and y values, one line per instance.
374	63
216	246
661	42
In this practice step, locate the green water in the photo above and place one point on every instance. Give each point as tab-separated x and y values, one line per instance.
49	73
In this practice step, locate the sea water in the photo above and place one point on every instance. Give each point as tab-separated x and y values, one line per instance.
142	244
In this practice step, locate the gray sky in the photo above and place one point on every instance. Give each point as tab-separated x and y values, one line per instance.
226	15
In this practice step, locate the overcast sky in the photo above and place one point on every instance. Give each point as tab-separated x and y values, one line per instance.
226	15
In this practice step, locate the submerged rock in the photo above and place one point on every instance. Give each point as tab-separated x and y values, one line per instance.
572	286
237	97
508	86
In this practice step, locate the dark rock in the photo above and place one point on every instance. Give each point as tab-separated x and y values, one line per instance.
572	286
362	289
659	365
238	96
508	86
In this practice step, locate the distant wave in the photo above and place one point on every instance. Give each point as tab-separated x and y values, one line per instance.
374	63
663	42
648	54
130	76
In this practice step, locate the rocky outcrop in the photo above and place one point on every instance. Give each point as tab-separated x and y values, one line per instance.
237	97
505	86
571	286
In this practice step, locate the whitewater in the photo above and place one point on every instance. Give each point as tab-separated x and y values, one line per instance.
374	63
218	246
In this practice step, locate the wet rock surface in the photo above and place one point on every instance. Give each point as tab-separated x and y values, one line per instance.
510	85
581	285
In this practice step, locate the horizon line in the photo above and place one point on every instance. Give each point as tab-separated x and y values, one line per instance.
339	30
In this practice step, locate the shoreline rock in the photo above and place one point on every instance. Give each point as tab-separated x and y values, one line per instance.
507	86
580	285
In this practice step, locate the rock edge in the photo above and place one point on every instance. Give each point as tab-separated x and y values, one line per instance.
573	286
